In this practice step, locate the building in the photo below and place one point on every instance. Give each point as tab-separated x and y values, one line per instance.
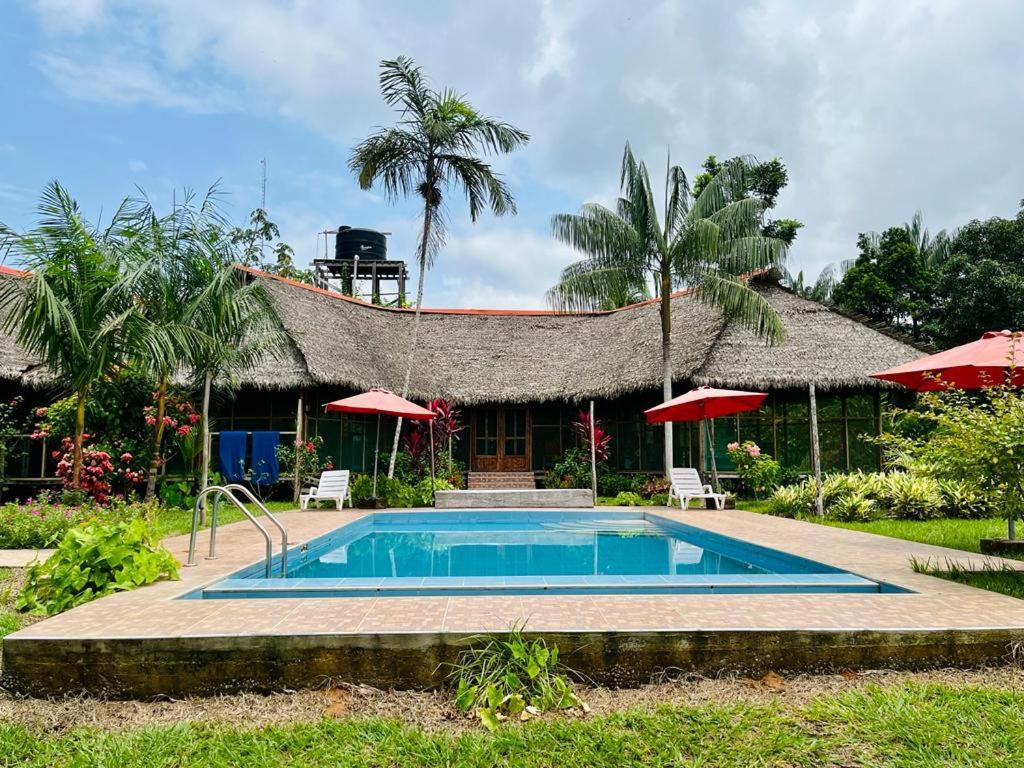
521	376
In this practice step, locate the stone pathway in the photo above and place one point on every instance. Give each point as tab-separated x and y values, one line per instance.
20	558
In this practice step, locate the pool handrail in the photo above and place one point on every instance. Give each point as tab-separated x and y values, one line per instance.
277	523
219	489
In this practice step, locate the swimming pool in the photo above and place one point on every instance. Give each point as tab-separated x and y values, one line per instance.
532	552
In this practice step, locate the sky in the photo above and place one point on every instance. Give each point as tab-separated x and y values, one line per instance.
877	108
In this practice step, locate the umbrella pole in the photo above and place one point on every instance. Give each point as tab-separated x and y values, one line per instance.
433	486
376	456
711	447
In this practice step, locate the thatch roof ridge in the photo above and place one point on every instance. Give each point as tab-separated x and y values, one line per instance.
822	345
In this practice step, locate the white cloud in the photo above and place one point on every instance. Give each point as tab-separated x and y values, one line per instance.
878	109
113	80
70	16
137	166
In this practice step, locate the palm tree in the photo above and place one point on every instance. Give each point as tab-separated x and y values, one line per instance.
706	243
164	280
238	322
434	147
66	312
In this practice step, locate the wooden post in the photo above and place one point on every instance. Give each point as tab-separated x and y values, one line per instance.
433	484
711	446
701	429
816	454
593	455
297	480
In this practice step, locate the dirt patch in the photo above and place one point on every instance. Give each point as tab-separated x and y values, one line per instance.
12	580
434	711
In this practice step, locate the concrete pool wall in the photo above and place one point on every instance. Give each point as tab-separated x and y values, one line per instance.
148	642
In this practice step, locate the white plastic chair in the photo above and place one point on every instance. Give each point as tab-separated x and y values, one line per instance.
686	485
333	485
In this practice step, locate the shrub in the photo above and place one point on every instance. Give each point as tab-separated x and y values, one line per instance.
758	471
960	499
612	484
791	500
659	500
510	677
911	497
425	492
362	488
397	492
95	560
304	457
42	522
629	499
854	508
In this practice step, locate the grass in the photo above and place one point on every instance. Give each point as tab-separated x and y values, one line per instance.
912	724
172	521
10	619
953	533
1000	578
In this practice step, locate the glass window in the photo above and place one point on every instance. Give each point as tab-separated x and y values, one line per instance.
863	453
515	431
487	432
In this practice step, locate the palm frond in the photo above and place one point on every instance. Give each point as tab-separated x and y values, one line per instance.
742	304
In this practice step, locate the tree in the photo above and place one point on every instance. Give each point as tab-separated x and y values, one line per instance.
763	182
705	242
164	258
890	282
237	321
980	285
65	311
434	147
258	238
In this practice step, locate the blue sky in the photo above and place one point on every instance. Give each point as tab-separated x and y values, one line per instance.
878	109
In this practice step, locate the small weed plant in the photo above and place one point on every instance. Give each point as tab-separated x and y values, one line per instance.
510	676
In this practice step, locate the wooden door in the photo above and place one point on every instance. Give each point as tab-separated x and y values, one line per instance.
501	439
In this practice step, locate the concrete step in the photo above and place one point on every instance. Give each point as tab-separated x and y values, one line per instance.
500	480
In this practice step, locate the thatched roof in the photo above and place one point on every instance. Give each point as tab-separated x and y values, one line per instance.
474	356
822	345
14	361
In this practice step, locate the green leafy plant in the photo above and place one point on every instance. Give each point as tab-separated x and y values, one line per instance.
759	472
510	676
629	499
963	500
854	508
612	484
303	457
791	500
911	497
95	560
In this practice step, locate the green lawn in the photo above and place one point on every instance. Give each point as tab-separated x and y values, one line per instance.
957	534
173	521
912	724
10	620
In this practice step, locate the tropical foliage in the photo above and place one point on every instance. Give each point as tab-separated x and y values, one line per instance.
433	149
503	677
705	242
94	560
69	313
757	470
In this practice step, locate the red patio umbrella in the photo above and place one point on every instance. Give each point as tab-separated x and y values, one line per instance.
385	402
706	403
996	358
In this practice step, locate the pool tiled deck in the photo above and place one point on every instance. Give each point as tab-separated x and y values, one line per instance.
154	613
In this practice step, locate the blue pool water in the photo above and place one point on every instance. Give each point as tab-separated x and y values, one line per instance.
532	552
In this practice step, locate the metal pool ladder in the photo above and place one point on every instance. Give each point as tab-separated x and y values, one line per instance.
229	491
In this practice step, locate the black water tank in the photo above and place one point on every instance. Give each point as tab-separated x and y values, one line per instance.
364	243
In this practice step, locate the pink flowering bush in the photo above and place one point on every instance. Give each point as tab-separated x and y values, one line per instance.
304	456
42	521
760	473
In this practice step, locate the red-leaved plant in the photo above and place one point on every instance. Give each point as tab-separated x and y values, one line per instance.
602	440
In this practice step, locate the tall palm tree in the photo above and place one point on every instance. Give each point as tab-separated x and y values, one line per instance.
164	279
705	243
66	312
238	322
433	147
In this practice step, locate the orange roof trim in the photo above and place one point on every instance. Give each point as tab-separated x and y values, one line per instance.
449	311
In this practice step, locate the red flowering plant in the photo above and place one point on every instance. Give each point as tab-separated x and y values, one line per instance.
447	426
303	456
602	440
573	469
181	429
